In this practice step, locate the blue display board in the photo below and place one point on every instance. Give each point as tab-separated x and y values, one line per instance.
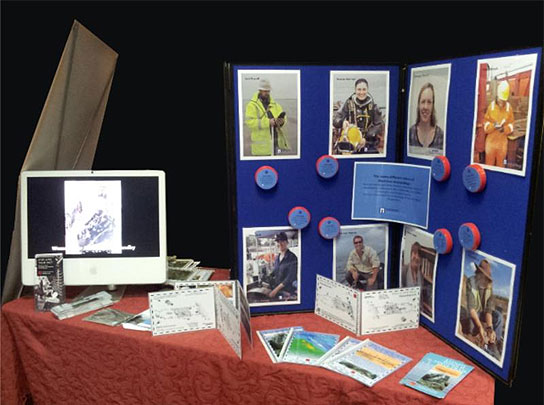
289	117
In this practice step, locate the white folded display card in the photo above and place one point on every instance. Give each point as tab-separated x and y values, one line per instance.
367	312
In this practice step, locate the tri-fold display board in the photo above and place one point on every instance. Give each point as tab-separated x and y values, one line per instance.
349	171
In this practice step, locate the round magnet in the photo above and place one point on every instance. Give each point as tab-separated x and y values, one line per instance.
327	166
266	177
469	236
329	228
474	178
299	217
442	241
440	168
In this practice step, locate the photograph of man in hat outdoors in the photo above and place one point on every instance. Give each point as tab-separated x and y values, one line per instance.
485	302
284	274
269	128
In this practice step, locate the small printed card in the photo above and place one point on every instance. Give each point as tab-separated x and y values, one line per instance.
389	310
367	362
436	375
273	341
337	303
304	347
367	312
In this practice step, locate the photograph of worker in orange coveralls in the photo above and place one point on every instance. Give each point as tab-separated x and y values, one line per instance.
504	93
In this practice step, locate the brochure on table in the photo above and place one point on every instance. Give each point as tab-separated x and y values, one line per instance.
326	132
367	312
199	307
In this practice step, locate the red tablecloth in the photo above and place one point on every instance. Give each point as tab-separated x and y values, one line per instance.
77	362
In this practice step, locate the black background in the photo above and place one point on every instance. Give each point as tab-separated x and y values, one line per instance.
166	106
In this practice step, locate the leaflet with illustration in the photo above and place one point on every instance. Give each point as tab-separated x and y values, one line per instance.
368	362
305	347
367	312
274	340
436	375
337	302
389	310
342	346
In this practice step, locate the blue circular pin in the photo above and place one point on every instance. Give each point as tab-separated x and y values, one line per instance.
474	178
299	217
440	168
329	228
469	236
266	177
442	241
326	166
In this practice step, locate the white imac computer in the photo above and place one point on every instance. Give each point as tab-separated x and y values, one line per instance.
109	225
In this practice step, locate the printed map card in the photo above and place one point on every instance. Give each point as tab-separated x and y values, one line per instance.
273	341
228	321
304	347
337	303
182	310
389	310
368	362
436	375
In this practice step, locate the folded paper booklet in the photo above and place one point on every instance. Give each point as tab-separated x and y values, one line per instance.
193	309
436	375
305	347
367	362
274	340
367	312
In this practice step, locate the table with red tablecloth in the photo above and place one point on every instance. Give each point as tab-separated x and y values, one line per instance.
77	362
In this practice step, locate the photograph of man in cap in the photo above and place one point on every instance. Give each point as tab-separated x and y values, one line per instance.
284	273
485	302
269	124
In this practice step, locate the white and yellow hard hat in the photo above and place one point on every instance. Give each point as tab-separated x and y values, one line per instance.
503	90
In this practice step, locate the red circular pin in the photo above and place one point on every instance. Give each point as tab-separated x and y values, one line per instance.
474	178
442	241
266	177
440	168
326	166
329	228
469	236
299	217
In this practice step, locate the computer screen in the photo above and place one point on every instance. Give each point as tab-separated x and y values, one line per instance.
109	225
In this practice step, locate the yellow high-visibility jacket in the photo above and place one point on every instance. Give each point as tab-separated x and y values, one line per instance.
257	120
497	115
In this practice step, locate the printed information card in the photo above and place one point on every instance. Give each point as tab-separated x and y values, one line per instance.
391	192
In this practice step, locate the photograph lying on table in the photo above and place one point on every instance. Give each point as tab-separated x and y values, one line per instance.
272	266
359	113
269	108
503	104
427	111
485	299
360	256
366	312
418	264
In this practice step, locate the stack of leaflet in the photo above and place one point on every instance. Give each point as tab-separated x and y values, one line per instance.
363	360
185	270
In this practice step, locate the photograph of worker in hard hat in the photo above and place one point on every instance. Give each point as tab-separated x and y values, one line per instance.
359	103
504	93
268	110
271	266
427	111
484	303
